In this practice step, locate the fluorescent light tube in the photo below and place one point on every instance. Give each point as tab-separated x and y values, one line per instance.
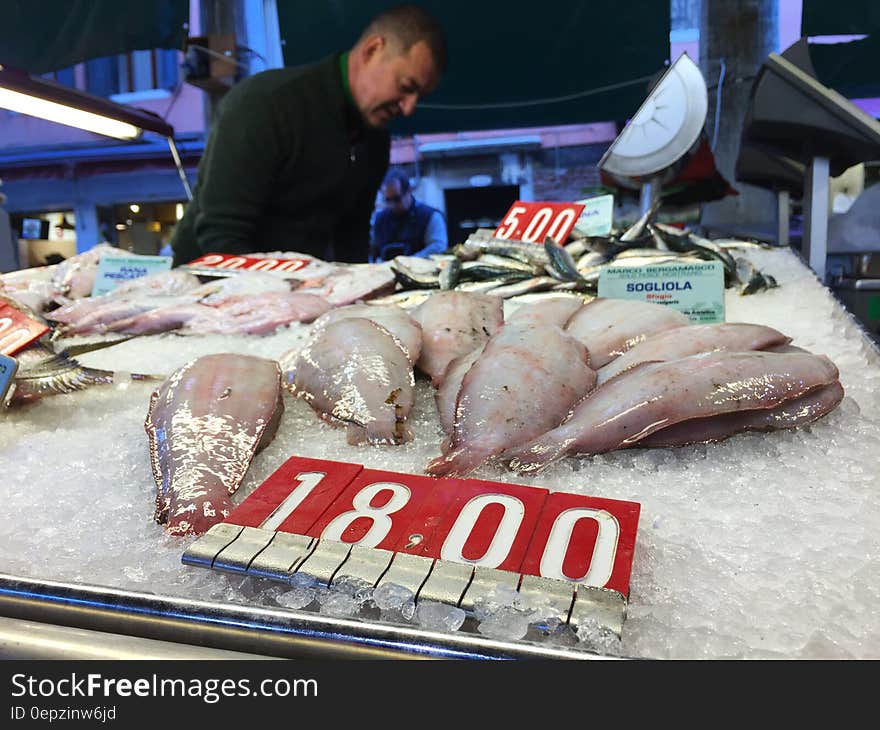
44	109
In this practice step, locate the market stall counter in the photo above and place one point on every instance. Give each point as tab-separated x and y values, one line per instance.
761	545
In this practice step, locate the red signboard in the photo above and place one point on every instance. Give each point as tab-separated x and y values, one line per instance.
232	262
17	330
511	527
376	509
534	222
296	495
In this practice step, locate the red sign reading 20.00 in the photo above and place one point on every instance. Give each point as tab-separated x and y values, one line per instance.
533	222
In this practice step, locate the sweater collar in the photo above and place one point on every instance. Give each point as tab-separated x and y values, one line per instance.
343	71
354	121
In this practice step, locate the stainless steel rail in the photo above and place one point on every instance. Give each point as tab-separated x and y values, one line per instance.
20	639
232	627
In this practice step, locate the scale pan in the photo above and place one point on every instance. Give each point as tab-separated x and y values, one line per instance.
666	126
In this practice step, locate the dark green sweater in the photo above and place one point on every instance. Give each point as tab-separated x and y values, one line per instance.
288	166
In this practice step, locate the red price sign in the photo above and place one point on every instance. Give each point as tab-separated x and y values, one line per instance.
17	330
229	262
511	527
533	222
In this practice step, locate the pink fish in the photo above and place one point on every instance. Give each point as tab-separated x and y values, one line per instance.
658	395
205	423
523	384
610	327
454	323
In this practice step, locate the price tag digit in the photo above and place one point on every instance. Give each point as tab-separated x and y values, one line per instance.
376	509
295	495
487	524
533	222
511	222
17	330
587	540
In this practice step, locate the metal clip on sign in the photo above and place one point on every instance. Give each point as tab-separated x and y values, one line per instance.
458	542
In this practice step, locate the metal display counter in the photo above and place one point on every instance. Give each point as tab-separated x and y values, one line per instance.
765	545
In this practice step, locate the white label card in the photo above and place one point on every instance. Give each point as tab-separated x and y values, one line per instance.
597	216
696	290
114	270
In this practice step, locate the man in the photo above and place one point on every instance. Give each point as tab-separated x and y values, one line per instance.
406	226
295	156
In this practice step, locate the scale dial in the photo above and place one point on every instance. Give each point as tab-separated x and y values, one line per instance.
665	127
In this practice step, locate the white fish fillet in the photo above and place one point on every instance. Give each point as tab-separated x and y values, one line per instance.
653	396
687	340
454	323
610	327
522	385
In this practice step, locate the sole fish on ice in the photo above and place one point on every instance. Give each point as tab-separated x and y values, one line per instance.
205	423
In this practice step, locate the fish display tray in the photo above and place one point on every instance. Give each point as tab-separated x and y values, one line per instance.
765	545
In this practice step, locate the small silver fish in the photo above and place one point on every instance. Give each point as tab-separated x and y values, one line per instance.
638	228
450	274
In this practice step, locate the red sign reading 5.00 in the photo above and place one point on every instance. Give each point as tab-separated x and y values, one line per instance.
533	222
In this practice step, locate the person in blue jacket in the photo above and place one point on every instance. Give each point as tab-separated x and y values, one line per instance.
406	226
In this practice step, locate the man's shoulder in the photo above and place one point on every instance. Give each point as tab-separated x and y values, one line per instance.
425	208
280	80
384	214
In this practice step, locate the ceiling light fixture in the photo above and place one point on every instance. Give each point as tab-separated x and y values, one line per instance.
37	97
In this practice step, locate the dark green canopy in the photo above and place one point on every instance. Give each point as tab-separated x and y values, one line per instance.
849	68
510	64
840	17
39	36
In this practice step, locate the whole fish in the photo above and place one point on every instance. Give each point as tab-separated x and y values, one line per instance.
637	229
408	299
454	323
350	283
479	270
752	279
450	274
556	309
789	414
524	382
656	395
690	339
355	373
535	284
610	327
447	392
258	314
390	316
43	372
528	253
205	423
161	284
560	264
410	278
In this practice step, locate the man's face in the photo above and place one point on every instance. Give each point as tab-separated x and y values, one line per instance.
392	81
396	201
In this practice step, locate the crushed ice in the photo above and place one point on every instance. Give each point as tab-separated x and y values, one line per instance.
765	545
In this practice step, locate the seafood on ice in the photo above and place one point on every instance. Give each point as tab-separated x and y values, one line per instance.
522	384
454	323
205	423
355	373
703	397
